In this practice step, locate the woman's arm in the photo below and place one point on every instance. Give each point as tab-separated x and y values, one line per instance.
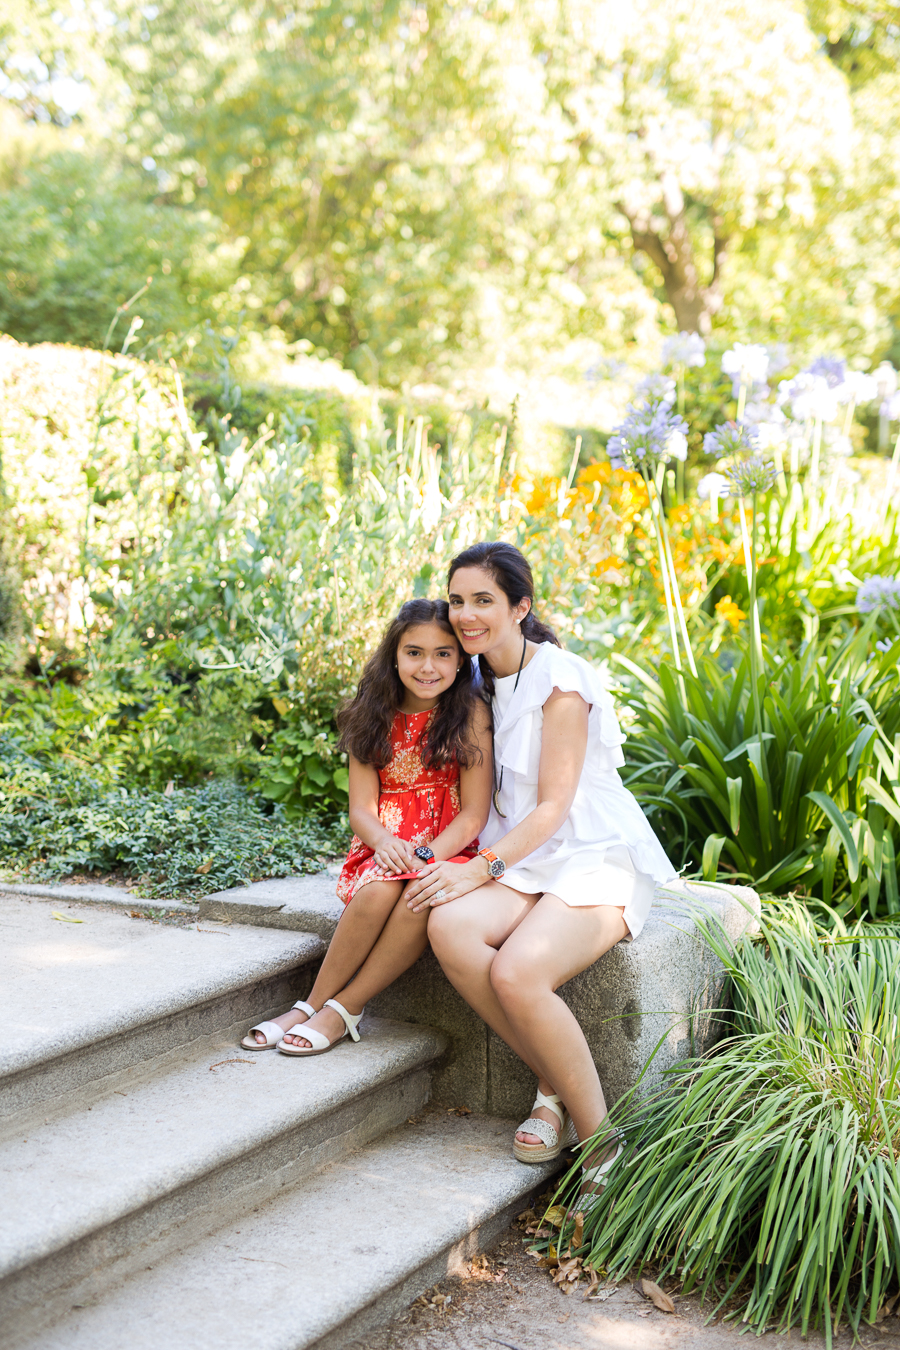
475	784
563	748
391	854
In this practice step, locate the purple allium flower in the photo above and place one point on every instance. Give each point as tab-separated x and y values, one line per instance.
655	391
829	368
731	438
751	475
878	593
648	436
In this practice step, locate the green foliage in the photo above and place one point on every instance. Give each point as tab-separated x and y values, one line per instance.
55	820
129	716
80	233
766	1174
303	770
808	798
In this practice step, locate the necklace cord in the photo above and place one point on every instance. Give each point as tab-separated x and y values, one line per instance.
498	787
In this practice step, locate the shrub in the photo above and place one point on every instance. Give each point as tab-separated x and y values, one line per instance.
56	820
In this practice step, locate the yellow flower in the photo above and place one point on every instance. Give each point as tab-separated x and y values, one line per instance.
728	610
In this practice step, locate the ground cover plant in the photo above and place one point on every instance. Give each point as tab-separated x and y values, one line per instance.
177	844
765	1175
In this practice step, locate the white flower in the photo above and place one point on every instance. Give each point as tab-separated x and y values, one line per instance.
890	408
687	349
773	431
810	397
677	446
858	387
747	362
713	485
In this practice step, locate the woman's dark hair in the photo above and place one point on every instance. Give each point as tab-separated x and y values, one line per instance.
511	571
365	723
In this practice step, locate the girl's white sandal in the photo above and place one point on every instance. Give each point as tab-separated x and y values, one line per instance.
554	1140
319	1043
272	1031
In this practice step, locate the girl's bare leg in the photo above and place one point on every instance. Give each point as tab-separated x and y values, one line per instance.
402	941
466	935
356	934
553	943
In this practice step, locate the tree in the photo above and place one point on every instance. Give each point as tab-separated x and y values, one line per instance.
704	122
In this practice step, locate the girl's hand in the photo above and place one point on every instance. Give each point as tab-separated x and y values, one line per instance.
447	880
396	855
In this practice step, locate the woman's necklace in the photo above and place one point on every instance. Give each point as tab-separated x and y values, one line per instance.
498	786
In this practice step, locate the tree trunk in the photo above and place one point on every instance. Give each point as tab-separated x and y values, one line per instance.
693	302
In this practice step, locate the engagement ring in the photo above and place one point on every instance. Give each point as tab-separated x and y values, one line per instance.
439	895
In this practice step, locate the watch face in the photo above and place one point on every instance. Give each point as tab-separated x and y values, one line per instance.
425	853
498	867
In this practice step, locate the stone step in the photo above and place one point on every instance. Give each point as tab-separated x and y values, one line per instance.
94	992
151	1159
321	1263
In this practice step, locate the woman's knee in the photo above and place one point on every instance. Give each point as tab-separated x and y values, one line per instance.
515	981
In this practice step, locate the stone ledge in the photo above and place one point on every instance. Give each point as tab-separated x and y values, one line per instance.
659	991
96	894
298	904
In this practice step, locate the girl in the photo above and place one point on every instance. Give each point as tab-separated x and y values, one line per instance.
571	863
418	738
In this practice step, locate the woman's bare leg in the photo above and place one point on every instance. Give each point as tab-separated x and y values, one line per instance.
356	934
466	935
554	942
402	941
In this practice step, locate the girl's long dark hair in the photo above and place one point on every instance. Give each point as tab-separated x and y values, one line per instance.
511	571
365	723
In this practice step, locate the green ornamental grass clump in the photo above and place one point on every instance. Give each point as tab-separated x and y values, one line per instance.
765	1175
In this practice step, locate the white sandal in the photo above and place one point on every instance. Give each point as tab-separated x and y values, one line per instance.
319	1043
272	1031
554	1140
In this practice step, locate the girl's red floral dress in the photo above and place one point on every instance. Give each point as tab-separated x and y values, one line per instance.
415	803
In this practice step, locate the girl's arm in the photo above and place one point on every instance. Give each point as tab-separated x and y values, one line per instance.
474	791
391	854
563	748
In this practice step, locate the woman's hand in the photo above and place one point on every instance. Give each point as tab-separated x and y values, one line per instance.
443	882
396	855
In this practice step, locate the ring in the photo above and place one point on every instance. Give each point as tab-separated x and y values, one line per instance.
439	895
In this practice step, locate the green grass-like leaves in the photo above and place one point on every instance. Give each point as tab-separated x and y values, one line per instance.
766	1173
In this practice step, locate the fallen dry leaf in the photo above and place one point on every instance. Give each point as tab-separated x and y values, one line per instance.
459	1111
64	918
204	867
658	1296
169	791
556	1215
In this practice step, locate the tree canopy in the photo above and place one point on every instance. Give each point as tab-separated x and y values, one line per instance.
414	185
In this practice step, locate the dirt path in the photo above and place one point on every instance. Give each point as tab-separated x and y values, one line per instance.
506	1300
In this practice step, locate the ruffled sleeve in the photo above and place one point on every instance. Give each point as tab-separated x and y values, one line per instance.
551	668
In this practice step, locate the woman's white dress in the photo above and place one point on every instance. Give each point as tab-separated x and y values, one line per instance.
605	851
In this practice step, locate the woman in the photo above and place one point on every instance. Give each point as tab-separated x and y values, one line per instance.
569	863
